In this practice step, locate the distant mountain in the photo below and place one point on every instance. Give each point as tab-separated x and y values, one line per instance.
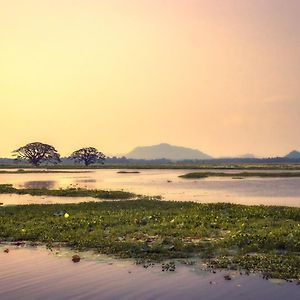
293	154
166	151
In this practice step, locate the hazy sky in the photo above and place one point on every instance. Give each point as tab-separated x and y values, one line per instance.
222	76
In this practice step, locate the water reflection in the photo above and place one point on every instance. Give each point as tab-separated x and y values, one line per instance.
266	191
39	184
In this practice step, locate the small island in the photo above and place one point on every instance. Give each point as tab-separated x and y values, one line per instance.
240	175
128	172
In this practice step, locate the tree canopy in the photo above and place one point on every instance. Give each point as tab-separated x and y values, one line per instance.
37	153
88	156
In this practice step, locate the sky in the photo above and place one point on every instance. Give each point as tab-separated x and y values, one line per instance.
221	76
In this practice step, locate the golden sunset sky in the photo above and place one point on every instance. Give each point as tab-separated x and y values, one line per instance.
222	76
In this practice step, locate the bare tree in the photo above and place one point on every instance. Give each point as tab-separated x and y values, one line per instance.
88	156
37	153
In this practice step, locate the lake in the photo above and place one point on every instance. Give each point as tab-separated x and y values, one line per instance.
37	273
266	191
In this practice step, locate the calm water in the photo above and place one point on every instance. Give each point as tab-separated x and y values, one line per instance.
268	191
38	274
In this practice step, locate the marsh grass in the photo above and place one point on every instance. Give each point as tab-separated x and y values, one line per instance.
223	234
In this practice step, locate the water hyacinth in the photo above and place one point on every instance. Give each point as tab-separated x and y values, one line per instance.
255	238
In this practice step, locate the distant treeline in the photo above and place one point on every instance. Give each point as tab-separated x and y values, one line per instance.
275	160
125	161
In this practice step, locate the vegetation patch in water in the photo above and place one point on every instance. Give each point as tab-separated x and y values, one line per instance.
69	192
199	175
255	238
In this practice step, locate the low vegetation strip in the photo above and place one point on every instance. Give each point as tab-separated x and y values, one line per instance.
199	175
22	171
69	192
255	238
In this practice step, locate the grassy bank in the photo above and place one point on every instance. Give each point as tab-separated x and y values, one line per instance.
199	175
255	238
69	192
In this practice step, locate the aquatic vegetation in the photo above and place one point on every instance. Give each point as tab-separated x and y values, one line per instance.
271	265
240	175
69	192
165	267
254	238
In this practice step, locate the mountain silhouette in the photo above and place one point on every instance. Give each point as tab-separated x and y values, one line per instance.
293	154
166	151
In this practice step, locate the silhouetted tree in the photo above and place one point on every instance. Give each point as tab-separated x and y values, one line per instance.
37	153
88	156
